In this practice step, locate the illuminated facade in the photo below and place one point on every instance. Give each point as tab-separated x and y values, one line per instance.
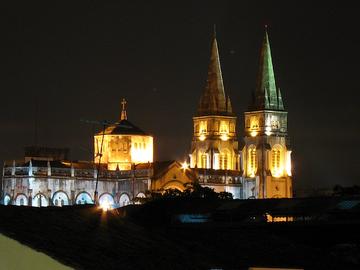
214	143
267	153
45	181
123	145
46	178
124	154
214	156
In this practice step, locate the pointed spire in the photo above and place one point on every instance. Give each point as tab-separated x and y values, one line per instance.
213	99
123	110
267	96
228	105
280	101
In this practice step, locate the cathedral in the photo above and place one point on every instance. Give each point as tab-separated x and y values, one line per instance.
267	154
123	169
263	165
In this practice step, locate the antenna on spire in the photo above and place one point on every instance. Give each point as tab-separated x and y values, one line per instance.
123	110
214	30
266	27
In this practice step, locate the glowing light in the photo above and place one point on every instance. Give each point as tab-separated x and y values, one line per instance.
268	131
224	137
253	133
288	163
216	161
277	161
144	152
202	137
105	205
252	160
224	131
184	165
277	172
119	151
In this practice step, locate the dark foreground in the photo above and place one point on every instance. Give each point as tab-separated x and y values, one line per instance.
146	237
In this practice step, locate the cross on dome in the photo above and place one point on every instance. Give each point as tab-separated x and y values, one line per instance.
123	110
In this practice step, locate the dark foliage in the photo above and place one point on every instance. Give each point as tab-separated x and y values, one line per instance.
192	191
339	190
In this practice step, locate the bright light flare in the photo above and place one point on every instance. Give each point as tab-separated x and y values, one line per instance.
288	163
224	137
268	131
184	165
105	205
253	133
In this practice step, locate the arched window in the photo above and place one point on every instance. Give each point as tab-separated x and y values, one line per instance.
7	199
106	200
232	127
223	160
252	161
141	195
21	200
203	127
203	161
224	127
276	160
124	199
60	199
40	201
196	128
83	198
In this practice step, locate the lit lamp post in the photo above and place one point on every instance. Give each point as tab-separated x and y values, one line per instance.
99	154
96	199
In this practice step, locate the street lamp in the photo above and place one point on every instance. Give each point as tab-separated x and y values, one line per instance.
99	154
184	166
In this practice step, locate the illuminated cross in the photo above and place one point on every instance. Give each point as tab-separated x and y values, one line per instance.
123	103
123	111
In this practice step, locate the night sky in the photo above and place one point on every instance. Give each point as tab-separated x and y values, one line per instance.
62	62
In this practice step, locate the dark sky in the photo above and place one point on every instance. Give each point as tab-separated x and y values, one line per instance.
76	61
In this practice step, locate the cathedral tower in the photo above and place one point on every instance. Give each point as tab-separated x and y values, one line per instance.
214	143
267	154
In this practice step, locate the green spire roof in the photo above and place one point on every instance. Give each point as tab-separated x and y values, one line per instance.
266	96
213	100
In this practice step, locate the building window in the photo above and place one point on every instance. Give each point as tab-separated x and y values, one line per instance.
216	126
254	123
252	161
203	161
232	127
196	128
276	158
275	161
203	127
223	127
223	161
